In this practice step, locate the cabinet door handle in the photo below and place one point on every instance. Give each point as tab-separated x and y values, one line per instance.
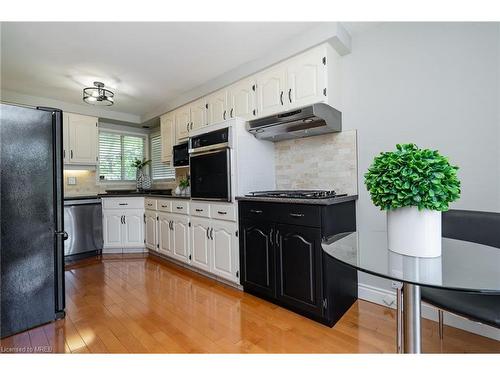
208	233
281	97
222	212
276	241
124	220
255	211
122	204
224	115
64	154
121	219
144	218
71	154
296	215
271	236
211	233
187	127
290	95
231	113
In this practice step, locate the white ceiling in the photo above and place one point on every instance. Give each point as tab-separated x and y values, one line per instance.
146	64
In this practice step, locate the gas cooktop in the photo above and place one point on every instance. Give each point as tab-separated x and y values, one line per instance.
299	194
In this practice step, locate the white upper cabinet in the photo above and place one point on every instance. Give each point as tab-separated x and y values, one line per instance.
271	85
306	79
182	122
167	129
80	139
217	107
198	114
241	99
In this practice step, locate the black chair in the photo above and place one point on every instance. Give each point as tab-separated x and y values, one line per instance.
473	226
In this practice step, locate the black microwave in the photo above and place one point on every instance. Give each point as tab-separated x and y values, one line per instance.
181	155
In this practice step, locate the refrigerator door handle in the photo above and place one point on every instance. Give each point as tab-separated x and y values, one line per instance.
63	233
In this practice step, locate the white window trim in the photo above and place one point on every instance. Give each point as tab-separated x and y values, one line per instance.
124	132
151	135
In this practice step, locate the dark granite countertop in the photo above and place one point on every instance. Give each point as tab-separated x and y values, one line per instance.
146	195
76	197
321	202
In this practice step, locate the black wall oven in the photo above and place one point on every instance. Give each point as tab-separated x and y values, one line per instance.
210	166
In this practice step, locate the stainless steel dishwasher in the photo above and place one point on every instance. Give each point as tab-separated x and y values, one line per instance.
83	223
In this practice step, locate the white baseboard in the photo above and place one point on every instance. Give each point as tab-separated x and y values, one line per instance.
387	298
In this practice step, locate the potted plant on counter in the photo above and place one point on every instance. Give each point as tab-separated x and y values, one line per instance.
414	186
143	181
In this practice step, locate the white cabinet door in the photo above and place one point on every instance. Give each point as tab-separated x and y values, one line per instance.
112	228
270	91
225	257
165	235
200	243
182	123
65	137
133	232
217	107
241	99
82	139
167	129
150	230
306	79
198	114
180	225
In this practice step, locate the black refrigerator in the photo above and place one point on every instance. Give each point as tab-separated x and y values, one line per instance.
31	216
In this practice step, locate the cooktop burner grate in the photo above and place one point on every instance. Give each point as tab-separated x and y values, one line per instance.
299	194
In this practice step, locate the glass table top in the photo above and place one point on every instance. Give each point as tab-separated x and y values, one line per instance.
463	265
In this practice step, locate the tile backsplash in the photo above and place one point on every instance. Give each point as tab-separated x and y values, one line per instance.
86	183
327	161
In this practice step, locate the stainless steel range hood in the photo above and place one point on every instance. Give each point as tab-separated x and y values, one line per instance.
316	119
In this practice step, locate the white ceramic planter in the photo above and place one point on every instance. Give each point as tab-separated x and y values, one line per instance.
413	232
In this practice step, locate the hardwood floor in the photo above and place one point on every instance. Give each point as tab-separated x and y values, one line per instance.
135	304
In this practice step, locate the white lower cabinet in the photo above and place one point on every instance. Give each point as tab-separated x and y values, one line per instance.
225	254
123	230
165	235
200	243
150	220
180	229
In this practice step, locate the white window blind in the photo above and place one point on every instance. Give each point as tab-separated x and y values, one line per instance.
117	152
159	170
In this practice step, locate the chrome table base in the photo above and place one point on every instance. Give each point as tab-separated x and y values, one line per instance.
408	312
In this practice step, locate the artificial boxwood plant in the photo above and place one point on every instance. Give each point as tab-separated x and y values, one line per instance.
411	176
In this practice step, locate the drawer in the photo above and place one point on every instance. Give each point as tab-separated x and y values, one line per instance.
123	203
257	210
180	207
223	211
164	205
199	209
298	214
150	204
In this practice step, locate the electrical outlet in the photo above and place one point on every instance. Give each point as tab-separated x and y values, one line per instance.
72	180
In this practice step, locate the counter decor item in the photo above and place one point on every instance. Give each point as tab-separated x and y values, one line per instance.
414	186
143	181
184	186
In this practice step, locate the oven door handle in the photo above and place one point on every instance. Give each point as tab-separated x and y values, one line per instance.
210	152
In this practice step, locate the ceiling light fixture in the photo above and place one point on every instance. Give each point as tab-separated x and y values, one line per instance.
98	95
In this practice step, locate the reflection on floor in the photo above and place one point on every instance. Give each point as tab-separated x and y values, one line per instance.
140	304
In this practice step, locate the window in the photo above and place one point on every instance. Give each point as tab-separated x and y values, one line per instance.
159	170
117	151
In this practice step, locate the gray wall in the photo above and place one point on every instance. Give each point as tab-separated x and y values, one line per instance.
434	84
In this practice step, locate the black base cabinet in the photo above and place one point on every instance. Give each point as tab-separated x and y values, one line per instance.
281	259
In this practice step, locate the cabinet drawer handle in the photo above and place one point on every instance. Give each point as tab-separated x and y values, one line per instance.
179	207
281	97
222	212
163	206
256	211
122	204
297	215
199	210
